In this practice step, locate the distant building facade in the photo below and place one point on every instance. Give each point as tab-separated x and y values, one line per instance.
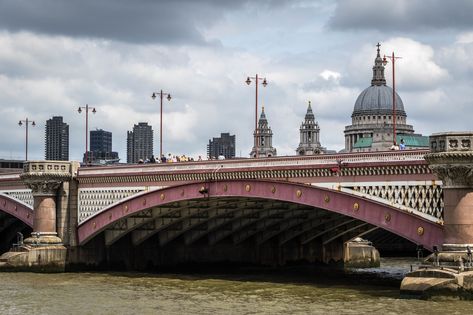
101	148
223	146
372	119
139	143
264	139
11	165
57	139
309	135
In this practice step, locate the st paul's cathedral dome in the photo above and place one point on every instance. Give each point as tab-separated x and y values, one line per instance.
372	118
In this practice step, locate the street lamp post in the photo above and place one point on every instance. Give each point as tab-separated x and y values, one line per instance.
161	95
393	62
86	108
248	81
27	122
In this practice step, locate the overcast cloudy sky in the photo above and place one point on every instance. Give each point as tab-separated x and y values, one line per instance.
112	54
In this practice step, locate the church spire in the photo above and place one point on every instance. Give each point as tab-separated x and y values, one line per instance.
378	70
262	118
310	114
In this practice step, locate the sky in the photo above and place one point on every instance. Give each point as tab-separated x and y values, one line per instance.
112	54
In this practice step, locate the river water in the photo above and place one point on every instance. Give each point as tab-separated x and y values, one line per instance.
297	291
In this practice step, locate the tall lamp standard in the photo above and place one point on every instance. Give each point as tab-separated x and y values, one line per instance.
248	81
27	122
161	95
86	108
393	62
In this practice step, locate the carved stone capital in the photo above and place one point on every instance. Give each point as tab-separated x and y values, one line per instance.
42	186
454	176
45	177
451	158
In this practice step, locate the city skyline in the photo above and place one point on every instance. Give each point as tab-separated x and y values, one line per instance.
320	51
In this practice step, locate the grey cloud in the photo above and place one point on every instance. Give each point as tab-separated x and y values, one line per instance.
141	21
402	15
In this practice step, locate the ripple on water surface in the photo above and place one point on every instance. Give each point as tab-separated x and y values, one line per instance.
131	293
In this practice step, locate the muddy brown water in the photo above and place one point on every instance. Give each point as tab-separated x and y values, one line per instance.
373	291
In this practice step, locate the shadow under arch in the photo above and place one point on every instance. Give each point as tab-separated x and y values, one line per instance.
410	226
17	209
15	217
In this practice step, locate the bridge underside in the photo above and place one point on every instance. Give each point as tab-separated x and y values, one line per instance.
15	217
225	229
9	229
252	221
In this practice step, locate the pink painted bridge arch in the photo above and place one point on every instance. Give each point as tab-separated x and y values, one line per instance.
196	210
15	217
17	209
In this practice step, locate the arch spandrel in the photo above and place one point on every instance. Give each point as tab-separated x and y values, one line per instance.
17	209
408	225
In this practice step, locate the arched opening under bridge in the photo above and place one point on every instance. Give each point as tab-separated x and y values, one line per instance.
268	222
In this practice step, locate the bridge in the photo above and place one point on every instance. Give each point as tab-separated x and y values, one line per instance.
271	210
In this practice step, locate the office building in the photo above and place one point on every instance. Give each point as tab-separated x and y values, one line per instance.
223	146
139	143
57	139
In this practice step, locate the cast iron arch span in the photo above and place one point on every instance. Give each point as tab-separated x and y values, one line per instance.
417	229
408	225
17	209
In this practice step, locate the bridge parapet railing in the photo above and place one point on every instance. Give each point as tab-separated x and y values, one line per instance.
10	177
12	185
325	159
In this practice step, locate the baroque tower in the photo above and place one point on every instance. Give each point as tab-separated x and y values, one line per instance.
264	138
309	135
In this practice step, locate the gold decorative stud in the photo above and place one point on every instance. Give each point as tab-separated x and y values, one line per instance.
94	225
420	231
16	208
28	215
326	198
248	188
356	206
298	193
273	189
387	217
126	208
182	192
225	187
110	217
162	196
144	202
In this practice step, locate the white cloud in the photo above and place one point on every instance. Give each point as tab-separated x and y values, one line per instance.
465	38
42	76
329	75
417	68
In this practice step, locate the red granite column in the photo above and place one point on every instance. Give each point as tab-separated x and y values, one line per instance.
44	178
45	214
458	215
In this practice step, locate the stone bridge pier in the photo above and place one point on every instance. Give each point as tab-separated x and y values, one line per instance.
449	270
44	249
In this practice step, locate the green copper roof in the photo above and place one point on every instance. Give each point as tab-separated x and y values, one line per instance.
413	140
363	143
